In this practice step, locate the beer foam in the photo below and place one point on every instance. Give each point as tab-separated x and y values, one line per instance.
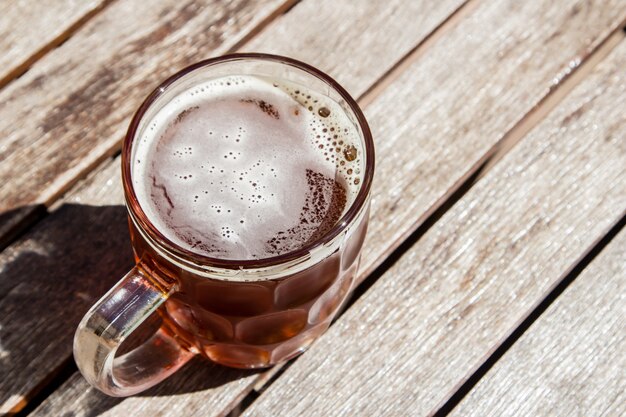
246	167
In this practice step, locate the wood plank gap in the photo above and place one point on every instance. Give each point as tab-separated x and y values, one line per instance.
245	403
247	37
571	360
264	381
56	378
18	225
430	218
557	93
23	67
416	52
533	314
514	135
109	154
87	177
35	213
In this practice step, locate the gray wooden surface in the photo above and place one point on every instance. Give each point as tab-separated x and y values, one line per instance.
29	30
443	85
572	360
490	128
434	317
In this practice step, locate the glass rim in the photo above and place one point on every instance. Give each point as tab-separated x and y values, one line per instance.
202	260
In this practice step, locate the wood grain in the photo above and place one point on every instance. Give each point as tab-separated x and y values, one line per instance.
433	318
572	360
69	112
557	45
106	190
29	29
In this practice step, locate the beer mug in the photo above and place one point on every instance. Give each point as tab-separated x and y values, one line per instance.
247	181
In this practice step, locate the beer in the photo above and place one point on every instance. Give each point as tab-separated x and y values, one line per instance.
250	168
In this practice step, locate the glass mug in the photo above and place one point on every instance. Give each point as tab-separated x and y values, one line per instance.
244	314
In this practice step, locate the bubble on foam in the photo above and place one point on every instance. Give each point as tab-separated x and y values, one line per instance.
286	136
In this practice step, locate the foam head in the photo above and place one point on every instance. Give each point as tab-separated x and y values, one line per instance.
246	167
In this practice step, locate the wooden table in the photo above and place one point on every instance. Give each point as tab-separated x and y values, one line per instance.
493	278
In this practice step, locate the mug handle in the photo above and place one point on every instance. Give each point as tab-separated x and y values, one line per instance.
110	321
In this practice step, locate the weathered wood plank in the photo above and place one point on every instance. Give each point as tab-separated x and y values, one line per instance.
70	110
555	45
100	193
434	317
28	29
125	71
571	361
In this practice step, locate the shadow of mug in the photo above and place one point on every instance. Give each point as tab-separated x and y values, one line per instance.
72	257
